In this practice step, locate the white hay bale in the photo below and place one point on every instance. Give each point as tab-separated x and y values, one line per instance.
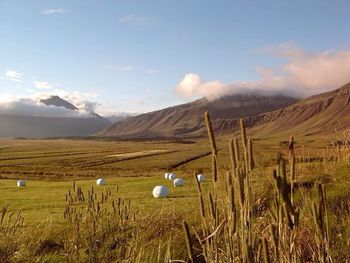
172	177
160	191
200	178
21	183
100	181
179	182
166	175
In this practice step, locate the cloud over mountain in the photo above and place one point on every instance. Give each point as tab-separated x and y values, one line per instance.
34	107
304	74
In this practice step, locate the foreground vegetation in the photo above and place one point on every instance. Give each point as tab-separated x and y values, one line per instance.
259	206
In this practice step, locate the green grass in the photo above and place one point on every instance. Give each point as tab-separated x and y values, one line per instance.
50	166
45	200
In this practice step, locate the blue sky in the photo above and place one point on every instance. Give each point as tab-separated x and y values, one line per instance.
136	56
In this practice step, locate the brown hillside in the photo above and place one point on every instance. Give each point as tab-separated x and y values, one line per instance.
187	120
321	113
317	114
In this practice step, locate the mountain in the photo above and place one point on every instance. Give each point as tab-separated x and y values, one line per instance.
58	102
187	120
323	113
319	114
52	117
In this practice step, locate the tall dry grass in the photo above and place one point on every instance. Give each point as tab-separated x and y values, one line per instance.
237	226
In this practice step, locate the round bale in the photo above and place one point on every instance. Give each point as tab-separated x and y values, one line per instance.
166	175
172	177
160	191
100	181
21	183
178	182
200	178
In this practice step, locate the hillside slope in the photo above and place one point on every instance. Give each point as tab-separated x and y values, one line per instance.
318	114
187	120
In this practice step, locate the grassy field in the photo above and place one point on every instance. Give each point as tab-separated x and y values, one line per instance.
131	170
50	166
45	200
71	159
83	159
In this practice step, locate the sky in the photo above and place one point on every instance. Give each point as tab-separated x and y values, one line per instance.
144	55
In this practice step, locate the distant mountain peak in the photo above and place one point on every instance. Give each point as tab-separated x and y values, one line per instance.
58	102
54	117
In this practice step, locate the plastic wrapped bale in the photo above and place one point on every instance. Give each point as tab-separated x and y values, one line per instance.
21	183
172	177
166	175
160	191
100	181
179	182
200	178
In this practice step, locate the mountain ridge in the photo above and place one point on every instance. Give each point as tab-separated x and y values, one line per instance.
186	120
321	113
316	114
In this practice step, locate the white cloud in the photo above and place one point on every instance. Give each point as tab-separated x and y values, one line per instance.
192	85
53	11
12	75
43	85
304	74
32	105
135	20
78	99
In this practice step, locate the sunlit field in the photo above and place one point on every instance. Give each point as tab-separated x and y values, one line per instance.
45	200
61	178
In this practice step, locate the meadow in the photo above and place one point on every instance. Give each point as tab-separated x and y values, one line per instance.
62	216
